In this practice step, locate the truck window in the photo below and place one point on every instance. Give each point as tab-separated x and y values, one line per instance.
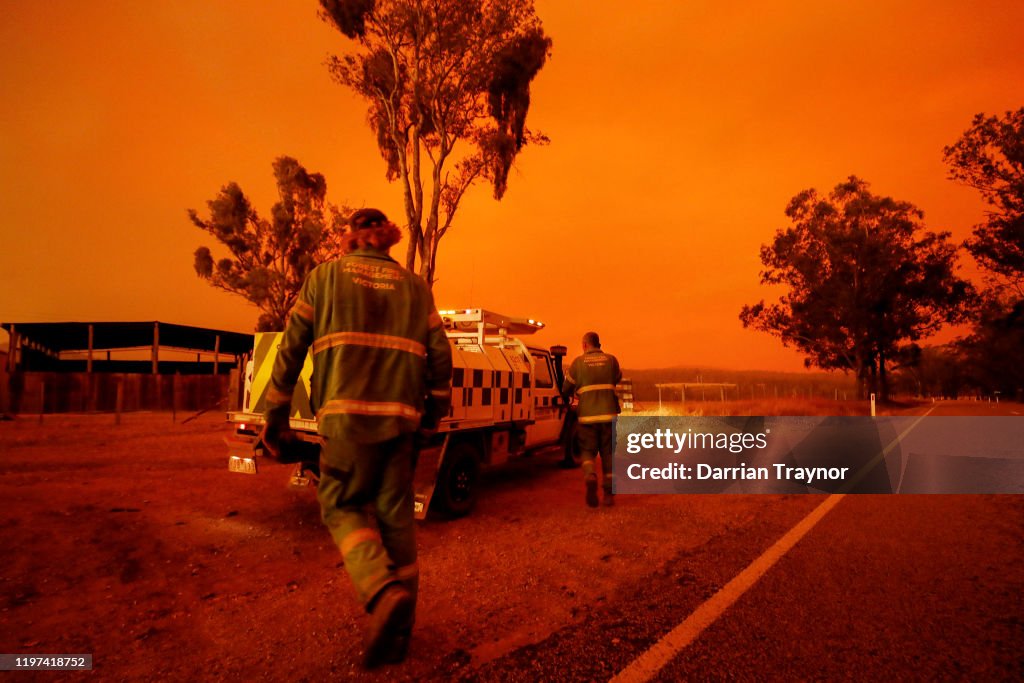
541	371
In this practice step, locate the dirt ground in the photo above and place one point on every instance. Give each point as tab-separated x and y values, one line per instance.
135	544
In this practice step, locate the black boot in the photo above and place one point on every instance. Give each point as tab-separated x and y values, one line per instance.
391	613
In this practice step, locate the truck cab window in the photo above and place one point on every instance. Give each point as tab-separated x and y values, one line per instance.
542	371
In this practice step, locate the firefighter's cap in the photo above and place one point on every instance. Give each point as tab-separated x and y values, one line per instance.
370	229
362	219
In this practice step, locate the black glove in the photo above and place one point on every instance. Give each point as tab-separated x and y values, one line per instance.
431	416
277	432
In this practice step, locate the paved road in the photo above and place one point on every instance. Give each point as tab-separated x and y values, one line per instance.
912	587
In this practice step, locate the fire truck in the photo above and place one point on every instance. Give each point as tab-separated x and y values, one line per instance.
505	403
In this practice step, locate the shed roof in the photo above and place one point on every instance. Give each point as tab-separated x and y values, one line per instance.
74	336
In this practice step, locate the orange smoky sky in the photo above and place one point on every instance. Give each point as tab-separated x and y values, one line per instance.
679	131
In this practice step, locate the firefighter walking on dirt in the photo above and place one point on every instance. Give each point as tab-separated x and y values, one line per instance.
382	370
593	377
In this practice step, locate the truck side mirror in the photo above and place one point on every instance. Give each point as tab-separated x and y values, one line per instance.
556	354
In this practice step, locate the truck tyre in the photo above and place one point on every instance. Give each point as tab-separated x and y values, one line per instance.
459	479
570	444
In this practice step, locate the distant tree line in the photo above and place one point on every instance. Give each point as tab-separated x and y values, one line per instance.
865	283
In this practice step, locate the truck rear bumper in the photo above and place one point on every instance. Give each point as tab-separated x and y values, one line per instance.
254	422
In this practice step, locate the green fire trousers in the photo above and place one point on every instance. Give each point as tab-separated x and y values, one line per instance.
594	438
366	501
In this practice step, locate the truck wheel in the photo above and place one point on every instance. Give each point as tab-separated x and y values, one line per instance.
460	474
573	457
571	447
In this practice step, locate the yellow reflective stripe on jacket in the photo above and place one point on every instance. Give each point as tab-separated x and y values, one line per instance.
441	393
596	418
303	310
382	352
596	374
380	341
384	408
596	387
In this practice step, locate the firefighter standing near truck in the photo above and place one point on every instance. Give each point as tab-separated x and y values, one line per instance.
593	377
382	370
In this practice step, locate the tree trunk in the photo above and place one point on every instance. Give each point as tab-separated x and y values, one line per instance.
410	252
428	247
433	261
859	373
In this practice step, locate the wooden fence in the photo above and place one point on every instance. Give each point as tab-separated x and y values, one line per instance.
81	392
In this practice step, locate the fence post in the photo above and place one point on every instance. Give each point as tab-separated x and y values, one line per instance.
119	403
12	350
5	393
233	389
156	347
88	361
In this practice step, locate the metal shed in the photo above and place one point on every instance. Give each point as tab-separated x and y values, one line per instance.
87	347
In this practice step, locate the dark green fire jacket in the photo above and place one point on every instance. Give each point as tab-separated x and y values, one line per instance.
378	345
593	376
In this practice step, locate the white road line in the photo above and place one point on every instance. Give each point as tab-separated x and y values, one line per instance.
862	472
647	665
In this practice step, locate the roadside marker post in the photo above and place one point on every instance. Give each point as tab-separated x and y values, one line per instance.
872	405
119	403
